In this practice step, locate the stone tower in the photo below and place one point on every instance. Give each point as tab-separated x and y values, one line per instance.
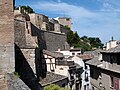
7	58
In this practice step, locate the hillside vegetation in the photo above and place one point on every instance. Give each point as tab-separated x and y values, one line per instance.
86	43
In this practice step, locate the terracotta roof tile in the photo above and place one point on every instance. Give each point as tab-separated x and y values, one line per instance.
85	56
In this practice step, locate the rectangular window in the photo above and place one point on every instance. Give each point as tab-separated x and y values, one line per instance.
67	19
88	87
85	66
78	53
112	82
86	76
84	87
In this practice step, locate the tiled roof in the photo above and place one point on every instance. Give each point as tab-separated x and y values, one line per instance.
112	50
53	54
93	62
85	56
94	53
52	78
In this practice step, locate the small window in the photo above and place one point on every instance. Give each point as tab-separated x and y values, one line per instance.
67	19
37	17
61	68
87	86
72	76
85	66
73	53
86	76
63	85
112	82
78	53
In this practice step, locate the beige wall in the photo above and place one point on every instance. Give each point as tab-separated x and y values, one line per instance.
66	22
40	21
112	67
111	44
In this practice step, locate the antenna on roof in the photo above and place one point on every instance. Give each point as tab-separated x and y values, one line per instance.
112	38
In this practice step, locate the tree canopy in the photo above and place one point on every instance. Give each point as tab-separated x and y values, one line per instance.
86	43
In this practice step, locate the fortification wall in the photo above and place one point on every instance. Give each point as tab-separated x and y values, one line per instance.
55	41
51	41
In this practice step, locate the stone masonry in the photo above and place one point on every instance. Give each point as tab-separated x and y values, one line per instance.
6	41
6	36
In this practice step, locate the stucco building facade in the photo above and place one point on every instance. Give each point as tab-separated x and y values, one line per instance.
105	72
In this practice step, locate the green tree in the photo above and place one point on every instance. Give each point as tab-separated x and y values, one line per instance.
95	42
70	37
55	87
86	43
75	39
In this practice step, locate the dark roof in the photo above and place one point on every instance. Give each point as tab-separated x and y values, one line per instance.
75	66
52	78
53	54
78	66
93	62
112	50
94	53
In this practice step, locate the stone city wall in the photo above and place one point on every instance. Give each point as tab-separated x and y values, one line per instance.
51	41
